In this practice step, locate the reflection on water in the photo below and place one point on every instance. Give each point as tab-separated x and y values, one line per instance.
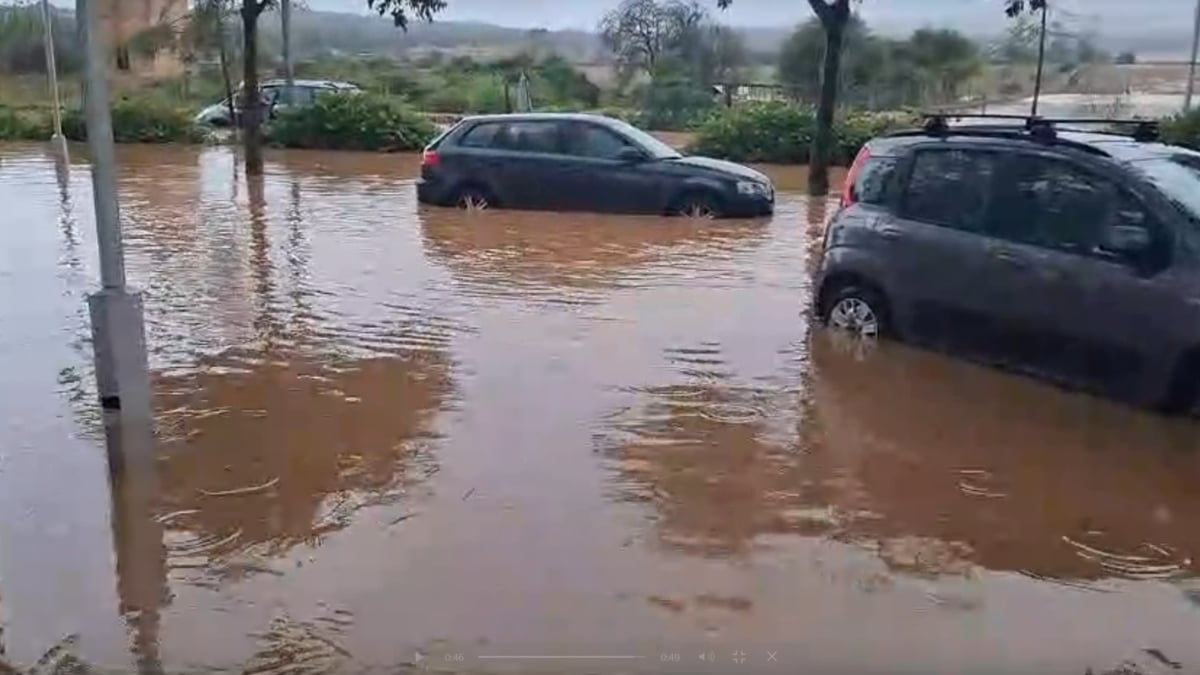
701	455
1017	477
576	257
383	427
262	454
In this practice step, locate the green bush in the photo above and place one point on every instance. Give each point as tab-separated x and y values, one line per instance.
485	94
139	120
782	133
20	125
352	122
673	105
1183	129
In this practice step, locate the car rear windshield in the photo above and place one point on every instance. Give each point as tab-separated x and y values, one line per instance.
871	182
1177	176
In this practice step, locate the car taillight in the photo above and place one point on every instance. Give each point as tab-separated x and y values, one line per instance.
430	158
848	196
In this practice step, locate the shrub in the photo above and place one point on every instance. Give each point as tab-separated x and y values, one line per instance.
782	133
448	99
1183	129
352	122
486	94
673	105
18	125
769	132
139	120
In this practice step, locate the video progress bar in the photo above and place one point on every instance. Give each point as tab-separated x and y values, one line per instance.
561	657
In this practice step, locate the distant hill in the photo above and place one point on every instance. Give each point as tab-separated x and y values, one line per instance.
323	32
317	32
1151	28
1119	24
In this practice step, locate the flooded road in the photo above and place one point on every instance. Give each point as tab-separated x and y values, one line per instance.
385	431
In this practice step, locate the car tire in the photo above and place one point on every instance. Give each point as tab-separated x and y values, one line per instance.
697	205
857	309
474	198
1183	391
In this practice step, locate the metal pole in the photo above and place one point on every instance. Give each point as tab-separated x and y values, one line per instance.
59	140
1191	83
1037	85
100	146
118	331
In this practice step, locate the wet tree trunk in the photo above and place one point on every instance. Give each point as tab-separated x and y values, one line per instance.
252	139
834	17
226	80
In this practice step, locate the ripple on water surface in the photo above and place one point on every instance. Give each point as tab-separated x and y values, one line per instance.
382	427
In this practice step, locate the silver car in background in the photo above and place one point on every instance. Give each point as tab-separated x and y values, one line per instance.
276	96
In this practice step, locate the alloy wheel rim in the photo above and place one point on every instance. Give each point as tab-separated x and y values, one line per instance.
473	202
856	316
699	211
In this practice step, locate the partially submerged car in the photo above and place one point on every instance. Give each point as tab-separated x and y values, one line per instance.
275	96
579	162
1072	254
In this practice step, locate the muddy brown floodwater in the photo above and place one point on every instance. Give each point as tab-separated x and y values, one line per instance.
384	429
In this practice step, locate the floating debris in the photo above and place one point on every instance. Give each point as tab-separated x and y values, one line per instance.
249	490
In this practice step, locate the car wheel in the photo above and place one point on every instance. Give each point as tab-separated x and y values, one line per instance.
858	310
1184	389
474	198
697	205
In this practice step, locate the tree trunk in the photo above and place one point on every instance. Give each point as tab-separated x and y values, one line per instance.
822	145
224	59
252	139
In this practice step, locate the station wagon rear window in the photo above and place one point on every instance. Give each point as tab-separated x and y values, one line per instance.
480	136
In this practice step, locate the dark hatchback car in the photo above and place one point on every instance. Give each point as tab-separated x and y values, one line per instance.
576	162
1066	253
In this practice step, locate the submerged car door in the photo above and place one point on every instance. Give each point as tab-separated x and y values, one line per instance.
936	241
1070	306
531	166
605	172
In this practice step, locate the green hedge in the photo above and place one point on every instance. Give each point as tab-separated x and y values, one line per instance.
24	125
133	121
1183	129
352	122
139	120
673	105
780	133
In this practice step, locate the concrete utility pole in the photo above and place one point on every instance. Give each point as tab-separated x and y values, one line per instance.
59	141
118	332
137	536
1191	83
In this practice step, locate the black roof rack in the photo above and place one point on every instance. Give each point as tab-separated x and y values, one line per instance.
1044	128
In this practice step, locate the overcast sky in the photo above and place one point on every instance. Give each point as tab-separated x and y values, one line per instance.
972	15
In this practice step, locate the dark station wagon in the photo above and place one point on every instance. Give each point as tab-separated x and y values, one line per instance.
578	162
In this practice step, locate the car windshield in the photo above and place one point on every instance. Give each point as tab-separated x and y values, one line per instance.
655	147
1178	177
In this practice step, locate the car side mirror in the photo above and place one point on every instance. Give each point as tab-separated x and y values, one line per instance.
1127	241
631	156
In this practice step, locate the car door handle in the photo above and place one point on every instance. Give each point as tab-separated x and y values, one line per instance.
889	232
